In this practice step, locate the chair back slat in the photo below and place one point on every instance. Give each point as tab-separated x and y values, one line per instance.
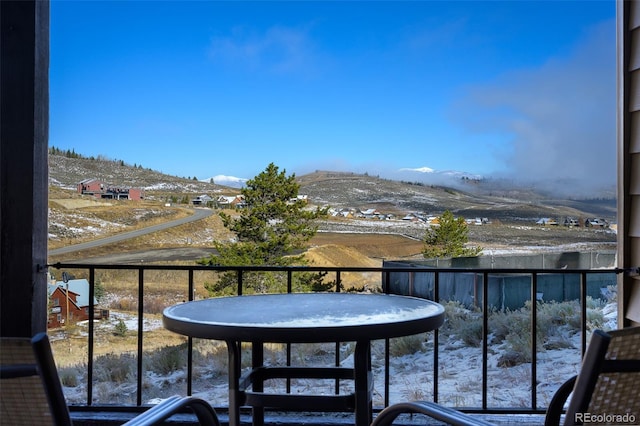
50	379
608	386
617	390
23	400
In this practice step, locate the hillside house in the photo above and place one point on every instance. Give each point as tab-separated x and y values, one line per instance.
571	221
117	193
99	189
230	201
411	217
433	220
341	212
547	221
596	223
368	213
90	187
72	305
478	221
201	200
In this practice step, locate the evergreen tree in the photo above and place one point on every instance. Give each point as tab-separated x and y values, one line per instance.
448	238
271	229
120	329
99	291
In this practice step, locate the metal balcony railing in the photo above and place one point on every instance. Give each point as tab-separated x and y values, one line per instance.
384	278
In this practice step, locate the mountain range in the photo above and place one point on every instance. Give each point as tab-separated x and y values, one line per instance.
464	194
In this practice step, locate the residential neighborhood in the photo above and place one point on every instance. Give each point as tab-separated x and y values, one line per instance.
238	201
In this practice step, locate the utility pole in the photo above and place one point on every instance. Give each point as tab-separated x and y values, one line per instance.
65	279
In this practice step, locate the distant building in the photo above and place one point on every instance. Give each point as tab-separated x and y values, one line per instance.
90	187
596	223
303	198
233	201
201	200
69	302
571	221
547	221
478	221
99	189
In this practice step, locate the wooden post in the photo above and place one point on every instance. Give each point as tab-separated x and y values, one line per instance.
24	129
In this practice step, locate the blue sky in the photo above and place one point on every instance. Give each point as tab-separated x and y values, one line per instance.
198	88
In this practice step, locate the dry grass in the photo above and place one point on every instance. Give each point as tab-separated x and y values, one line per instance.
366	249
70	345
111	218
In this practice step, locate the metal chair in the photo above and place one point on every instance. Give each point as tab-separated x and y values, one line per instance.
608	385
31	392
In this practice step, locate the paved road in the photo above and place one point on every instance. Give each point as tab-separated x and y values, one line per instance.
197	215
154	255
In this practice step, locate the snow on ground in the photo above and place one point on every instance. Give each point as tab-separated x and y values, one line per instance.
61	225
411	375
130	321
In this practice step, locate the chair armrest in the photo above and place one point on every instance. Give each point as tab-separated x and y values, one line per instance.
556	406
158	413
431	409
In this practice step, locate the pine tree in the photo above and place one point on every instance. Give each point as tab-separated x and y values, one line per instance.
120	329
271	229
448	238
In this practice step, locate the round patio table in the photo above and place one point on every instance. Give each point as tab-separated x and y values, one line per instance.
302	318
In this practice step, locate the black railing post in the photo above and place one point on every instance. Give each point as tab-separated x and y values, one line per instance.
387	343
90	340
336	360
140	330
436	359
190	342
534	339
288	346
583	312
485	333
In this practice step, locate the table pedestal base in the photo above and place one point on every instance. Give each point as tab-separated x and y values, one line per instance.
359	402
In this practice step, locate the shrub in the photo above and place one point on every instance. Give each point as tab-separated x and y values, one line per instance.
154	304
555	323
553	314
462	323
69	377
595	315
120	329
114	368
167	359
406	345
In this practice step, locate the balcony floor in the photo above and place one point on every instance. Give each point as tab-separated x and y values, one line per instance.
104	418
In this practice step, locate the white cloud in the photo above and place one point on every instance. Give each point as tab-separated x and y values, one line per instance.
559	117
232	181
278	49
418	169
